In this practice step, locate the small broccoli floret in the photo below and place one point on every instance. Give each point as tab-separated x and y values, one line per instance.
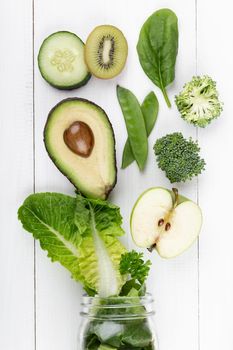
198	103
178	157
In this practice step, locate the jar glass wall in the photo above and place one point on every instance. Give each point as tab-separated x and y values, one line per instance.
124	323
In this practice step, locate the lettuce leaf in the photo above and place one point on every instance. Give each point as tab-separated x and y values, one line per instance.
100	250
81	234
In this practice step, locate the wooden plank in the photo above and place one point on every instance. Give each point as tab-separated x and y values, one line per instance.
215	52
174	283
16	176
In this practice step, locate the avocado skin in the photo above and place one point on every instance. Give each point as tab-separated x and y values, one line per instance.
113	135
60	87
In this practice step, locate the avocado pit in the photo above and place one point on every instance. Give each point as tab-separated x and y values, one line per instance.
79	138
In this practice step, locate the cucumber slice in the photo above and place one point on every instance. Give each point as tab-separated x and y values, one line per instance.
61	61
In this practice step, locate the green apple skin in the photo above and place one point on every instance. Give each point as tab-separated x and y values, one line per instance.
166	247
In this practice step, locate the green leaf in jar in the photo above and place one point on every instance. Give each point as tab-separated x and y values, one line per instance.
137	335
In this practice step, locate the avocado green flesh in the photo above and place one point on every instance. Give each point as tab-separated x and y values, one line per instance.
94	176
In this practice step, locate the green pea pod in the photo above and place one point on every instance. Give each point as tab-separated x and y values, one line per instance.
149	108
135	125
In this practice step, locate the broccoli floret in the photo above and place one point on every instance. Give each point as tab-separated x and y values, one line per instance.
198	103
178	157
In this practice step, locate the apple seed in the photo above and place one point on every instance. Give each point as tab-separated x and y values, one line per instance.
150	249
161	222
168	226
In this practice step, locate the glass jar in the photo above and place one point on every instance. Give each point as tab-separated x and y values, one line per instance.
124	323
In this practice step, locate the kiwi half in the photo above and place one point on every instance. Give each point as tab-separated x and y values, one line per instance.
106	51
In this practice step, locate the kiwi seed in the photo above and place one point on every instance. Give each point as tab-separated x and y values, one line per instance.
106	51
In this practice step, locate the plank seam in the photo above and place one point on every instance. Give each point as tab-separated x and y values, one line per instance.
34	168
197	193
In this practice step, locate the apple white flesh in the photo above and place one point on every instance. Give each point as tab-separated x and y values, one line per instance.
163	220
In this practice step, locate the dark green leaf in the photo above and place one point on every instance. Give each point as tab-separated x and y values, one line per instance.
138	335
128	286
92	342
157	48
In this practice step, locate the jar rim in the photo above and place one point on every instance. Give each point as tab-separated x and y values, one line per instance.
141	300
118	307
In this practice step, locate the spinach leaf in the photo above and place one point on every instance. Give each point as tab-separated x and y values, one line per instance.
128	286
137	335
127	334
157	48
149	108
92	342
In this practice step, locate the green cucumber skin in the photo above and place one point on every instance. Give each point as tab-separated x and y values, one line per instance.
70	87
61	87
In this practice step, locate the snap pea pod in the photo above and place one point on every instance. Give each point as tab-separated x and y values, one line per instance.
135	125
149	108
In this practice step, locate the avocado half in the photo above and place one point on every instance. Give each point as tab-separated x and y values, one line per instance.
93	175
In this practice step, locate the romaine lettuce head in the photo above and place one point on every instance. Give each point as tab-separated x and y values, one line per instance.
81	234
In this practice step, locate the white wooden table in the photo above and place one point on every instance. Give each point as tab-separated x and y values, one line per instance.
39	303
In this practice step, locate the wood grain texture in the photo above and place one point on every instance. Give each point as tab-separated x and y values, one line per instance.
215	52
58	297
16	176
40	304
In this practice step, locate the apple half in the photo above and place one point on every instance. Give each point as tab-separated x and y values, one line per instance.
165	221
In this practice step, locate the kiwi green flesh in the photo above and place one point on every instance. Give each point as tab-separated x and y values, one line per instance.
106	52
